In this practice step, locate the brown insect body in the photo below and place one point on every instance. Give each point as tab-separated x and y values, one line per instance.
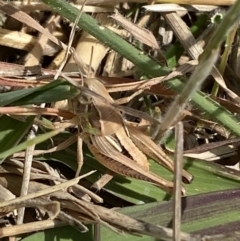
116	150
110	120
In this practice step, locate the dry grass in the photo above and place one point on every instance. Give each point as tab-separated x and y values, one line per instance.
38	50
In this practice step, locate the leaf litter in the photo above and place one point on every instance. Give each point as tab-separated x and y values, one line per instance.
89	56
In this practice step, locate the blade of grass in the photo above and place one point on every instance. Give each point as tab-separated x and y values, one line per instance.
12	131
30	142
54	91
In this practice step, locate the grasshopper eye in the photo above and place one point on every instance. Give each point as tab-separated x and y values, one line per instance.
85	100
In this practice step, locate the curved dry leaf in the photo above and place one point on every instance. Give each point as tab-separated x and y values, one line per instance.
141	34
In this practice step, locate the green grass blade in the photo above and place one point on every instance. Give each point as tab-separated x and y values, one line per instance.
54	91
211	108
12	131
66	233
28	143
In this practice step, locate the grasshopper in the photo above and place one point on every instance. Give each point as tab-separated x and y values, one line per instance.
120	147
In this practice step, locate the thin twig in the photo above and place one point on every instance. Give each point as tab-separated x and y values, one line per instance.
30	227
97	232
178	181
71	37
27	172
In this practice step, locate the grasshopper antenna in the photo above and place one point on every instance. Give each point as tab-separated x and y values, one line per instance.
90	70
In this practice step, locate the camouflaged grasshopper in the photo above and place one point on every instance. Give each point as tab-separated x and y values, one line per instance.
119	147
